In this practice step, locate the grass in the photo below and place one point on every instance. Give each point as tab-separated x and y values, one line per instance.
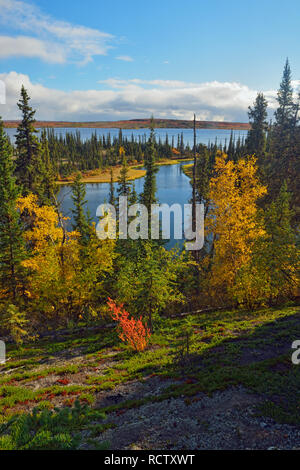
103	176
188	170
227	349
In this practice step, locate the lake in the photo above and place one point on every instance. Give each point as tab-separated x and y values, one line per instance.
173	186
203	135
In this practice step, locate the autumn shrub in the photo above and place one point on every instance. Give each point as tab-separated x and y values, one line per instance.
65	278
233	223
131	331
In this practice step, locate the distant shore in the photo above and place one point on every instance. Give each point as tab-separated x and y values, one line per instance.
137	124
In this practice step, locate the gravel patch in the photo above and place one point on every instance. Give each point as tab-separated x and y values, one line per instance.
224	421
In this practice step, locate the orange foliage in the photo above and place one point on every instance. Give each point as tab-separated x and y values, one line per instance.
132	331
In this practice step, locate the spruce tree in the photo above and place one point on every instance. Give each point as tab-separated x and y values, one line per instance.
284	122
256	139
230	150
148	195
284	113
81	222
28	164
275	261
203	175
284	150
133	196
47	184
124	186
111	198
12	250
278	223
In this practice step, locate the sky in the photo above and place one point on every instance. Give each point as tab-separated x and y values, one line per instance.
88	60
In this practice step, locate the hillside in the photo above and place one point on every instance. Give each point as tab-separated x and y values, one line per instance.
236	388
138	124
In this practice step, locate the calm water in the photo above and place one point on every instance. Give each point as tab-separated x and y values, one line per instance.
173	186
203	135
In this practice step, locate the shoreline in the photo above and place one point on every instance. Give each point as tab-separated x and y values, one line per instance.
188	170
98	176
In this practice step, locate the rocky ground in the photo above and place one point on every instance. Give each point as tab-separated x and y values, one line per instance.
226	420
238	389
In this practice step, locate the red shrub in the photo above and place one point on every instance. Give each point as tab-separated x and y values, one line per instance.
63	381
132	331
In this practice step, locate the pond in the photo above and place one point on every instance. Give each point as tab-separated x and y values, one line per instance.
173	186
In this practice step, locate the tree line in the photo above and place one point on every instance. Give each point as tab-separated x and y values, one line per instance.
69	153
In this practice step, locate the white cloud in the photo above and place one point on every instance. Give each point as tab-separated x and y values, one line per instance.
25	46
125	58
52	40
296	85
135	98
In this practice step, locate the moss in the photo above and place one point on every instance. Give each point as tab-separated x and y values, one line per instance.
229	348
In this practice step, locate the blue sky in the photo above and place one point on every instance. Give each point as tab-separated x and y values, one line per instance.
96	59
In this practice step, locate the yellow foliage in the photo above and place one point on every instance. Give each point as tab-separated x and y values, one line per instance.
232	220
65	277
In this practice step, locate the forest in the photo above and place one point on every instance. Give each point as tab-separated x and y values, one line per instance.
128	296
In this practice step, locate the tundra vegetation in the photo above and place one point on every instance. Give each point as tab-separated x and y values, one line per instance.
61	290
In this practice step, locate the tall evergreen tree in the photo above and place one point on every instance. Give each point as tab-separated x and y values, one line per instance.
120	138
124	185
285	153
133	196
12	250
111	197
284	113
256	139
47	184
280	252
148	195
81	222
230	150
203	175
284	119
28	164
273	271
281	238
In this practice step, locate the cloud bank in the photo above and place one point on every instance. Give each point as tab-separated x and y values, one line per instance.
135	98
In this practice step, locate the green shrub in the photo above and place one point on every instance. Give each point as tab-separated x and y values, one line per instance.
47	429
